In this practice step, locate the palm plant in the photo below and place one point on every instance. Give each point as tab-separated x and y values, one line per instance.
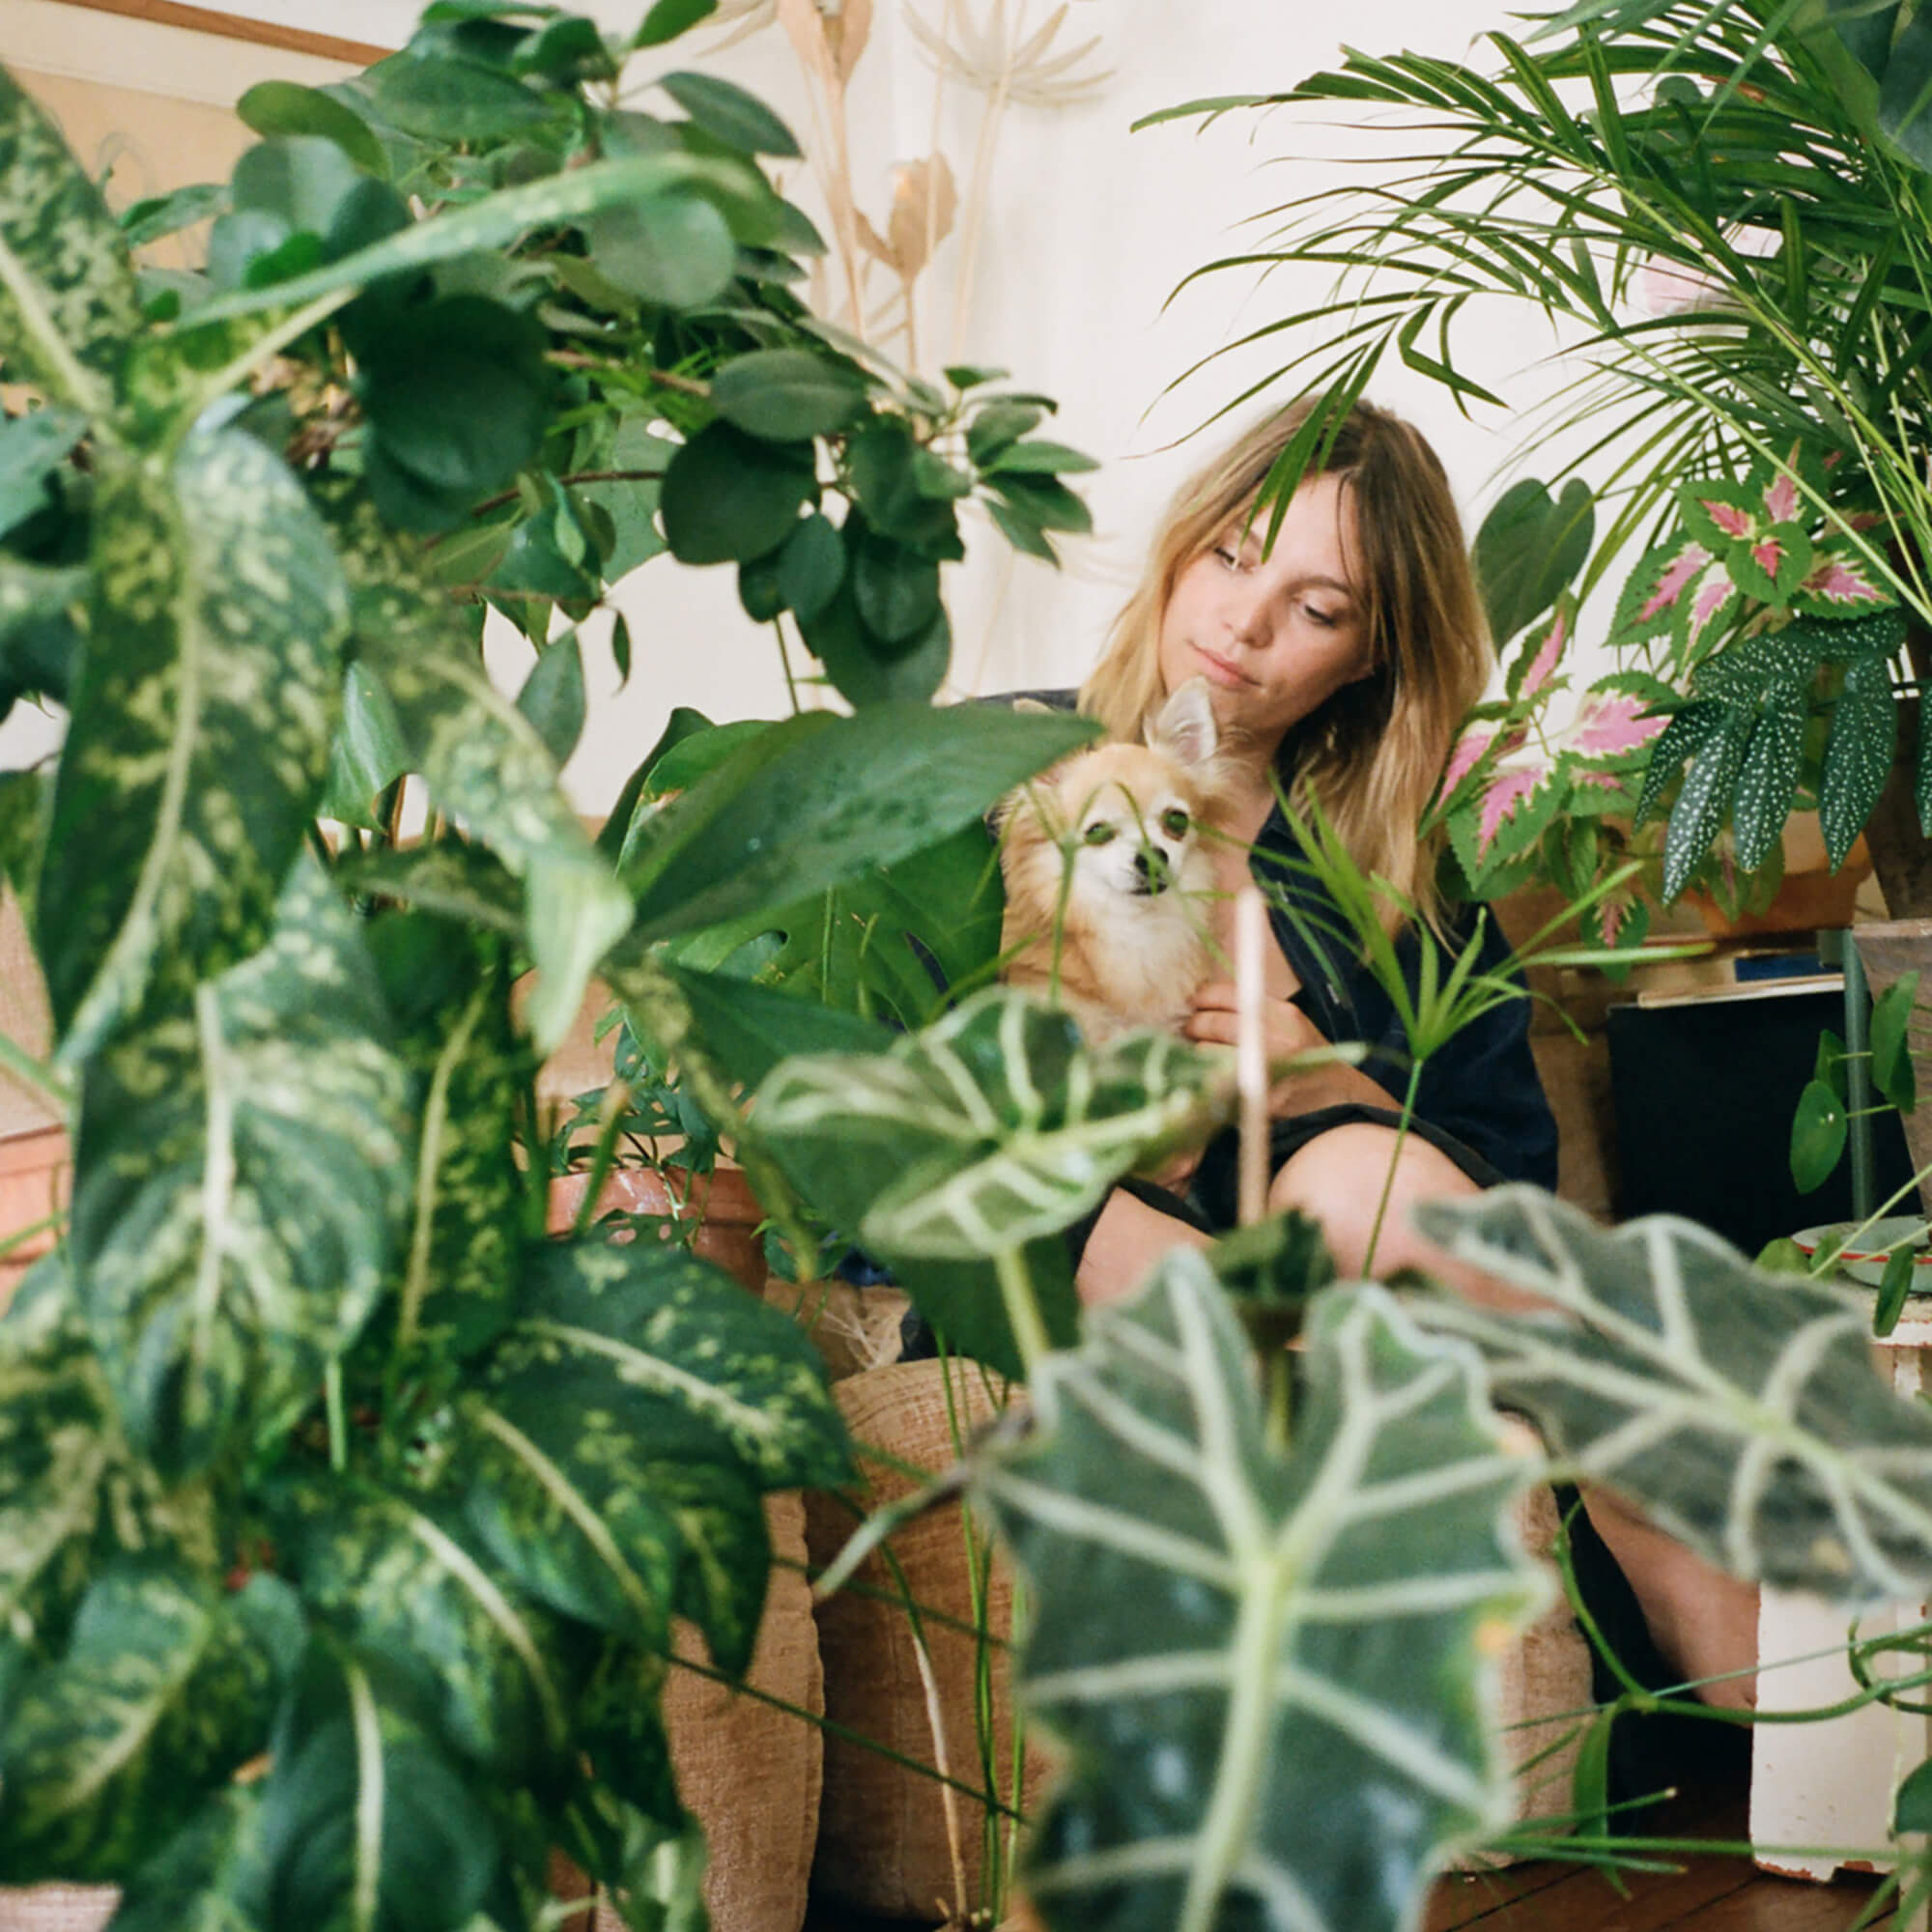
1758	169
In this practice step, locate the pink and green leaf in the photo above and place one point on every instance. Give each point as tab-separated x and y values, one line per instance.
1840	581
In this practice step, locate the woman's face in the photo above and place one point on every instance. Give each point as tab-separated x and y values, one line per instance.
1274	637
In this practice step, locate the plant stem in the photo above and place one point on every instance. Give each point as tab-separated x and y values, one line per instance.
1395	1160
616	1097
16	1061
338	1439
1022	1308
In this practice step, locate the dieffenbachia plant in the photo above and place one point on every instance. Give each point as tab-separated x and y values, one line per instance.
343	1517
1766	641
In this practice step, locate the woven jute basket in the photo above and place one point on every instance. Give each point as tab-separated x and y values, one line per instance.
883	1844
57	1908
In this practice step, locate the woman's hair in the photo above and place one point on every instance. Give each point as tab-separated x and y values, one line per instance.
1369	757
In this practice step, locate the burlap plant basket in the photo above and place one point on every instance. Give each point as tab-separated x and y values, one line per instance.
853	1328
57	1908
883	1844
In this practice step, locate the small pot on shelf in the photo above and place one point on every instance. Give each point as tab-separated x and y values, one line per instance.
720	1202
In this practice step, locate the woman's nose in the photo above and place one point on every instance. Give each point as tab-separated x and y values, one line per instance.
1247	617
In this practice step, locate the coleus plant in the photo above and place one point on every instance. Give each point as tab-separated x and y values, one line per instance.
343	1518
1767	639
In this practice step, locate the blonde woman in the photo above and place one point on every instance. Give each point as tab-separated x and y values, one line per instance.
1339	660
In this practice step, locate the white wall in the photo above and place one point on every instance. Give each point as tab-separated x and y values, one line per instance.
1090	228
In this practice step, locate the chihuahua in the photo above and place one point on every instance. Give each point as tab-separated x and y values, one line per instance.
1105	849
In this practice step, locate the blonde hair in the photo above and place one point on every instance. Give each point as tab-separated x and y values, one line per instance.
1370	757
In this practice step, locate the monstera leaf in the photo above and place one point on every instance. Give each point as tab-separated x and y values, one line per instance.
1002	1126
1266	1669
164	1690
630	1420
1739	1409
241	1168
201	723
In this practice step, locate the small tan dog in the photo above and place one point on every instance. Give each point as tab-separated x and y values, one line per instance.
1107	846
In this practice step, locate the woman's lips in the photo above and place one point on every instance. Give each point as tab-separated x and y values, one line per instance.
1219	671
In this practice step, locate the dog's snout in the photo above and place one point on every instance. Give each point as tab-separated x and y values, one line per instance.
1151	871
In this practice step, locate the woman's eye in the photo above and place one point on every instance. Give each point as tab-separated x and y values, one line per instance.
1174	822
1229	555
1327	619
1101	834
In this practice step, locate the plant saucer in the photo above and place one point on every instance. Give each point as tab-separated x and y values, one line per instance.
1865	1259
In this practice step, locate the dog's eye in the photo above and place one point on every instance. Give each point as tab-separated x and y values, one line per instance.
1174	822
1100	833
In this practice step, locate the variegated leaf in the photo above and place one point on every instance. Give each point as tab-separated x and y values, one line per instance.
400	1579
1857	755
241	1172
1006	1126
1768	779
1269	1670
620	1725
1840	584
164	1690
68	304
457	1261
484	764
367	1823
1739	1409
1506	815
630	1420
1616	722
1766	557
1687	732
201	721
1921	777
1680	590
69	1482
1704	801
208	1877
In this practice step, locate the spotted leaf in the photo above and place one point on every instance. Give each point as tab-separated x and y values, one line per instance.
1268	1670
164	1690
483	763
1686	733
1739	1410
1705	800
1768	779
199	738
1004	1127
240	1171
68	303
1857	755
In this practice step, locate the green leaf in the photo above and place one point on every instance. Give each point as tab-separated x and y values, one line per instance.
817	799
1904	111
365	1822
207	1878
1266	1672
38	638
282	107
165	215
68	300
867	669
485	765
1007	1129
1857	758
786	395
1912	1808
1039	458
486	225
162	1692
728	497
1768	777
368	754
33	448
438	97
1046	505
1701	806
239	1178
749	1029
1891	1042
294	187
811	566
733	116
1893	1287
399	1578
1829	1067
199	743
1740	1411
553	697
668	19
673	249
996	426
894	590
1818	1130
1529	547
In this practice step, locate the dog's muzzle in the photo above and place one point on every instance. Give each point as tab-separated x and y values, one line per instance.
1151	872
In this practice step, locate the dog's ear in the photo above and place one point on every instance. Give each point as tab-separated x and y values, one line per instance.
1183	727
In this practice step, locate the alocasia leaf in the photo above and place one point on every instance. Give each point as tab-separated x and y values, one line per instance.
240	1171
67	302
1004	1127
201	721
164	1690
1739	1409
1267	1668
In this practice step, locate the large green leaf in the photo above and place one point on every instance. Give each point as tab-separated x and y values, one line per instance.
485	764
1004	1127
1268	1670
68	304
1858	759
366	1824
200	731
631	1418
1530	545
165	1689
33	448
208	1877
818	798
400	1582
240	1171
68	1480
1739	1409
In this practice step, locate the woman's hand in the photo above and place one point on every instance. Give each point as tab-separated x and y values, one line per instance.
1286	1031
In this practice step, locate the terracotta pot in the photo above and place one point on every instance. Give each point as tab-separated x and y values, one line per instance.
36	1175
1811	897
721	1203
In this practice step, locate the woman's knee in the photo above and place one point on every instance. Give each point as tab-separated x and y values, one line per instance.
1340	1178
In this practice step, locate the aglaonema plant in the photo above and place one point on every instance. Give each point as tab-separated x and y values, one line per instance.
344	1520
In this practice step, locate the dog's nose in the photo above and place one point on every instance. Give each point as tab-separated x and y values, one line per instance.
1151	868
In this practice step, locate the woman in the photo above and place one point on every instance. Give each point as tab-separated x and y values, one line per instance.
1339	660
